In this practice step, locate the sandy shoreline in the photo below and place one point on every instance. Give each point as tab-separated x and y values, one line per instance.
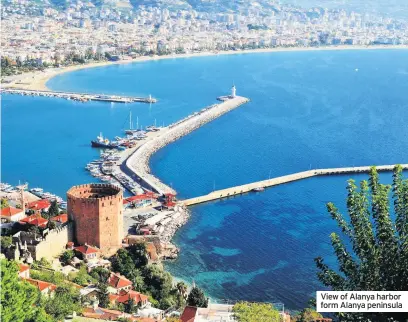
37	80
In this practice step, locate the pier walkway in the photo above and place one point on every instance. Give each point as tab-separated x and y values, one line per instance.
229	192
138	162
83	97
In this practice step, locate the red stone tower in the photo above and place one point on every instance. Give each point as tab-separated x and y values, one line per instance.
96	210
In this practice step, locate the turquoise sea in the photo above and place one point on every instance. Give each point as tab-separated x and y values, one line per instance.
307	110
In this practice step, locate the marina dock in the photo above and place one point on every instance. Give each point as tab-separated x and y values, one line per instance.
238	190
82	97
137	164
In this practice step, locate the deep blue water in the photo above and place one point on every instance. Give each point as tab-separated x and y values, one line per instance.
307	109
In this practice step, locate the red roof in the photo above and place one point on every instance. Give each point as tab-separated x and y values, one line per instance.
35	220
41	285
118	281
86	249
39	204
23	267
125	296
101	313
63	218
189	314
145	196
10	211
169	204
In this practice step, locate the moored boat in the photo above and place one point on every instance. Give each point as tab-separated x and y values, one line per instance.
102	142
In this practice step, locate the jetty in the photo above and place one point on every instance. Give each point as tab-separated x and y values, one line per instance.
82	97
137	165
238	190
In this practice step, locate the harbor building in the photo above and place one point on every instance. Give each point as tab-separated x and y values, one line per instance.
96	210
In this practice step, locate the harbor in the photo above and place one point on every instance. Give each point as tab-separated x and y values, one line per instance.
125	162
128	165
11	192
138	162
81	97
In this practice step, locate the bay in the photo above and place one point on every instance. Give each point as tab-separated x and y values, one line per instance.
308	110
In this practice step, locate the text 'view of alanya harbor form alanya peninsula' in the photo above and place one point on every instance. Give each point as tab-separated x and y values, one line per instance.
204	160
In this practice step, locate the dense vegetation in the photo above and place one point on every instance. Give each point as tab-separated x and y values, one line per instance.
306	315
18	298
148	279
21	301
255	312
378	260
197	298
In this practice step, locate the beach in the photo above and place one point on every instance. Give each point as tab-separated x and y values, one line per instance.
37	80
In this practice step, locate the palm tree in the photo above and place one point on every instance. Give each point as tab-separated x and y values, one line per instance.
182	289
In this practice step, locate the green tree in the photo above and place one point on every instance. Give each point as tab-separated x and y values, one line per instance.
66	256
130	307
82	277
182	289
48	276
255	312
6	242
158	283
135	276
308	315
138	253
122	262
379	257
53	210
103	295
51	225
4	203
65	301
34	229
197	298
44	263
18	297
101	274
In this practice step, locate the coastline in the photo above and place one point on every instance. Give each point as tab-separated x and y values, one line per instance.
180	245
37	80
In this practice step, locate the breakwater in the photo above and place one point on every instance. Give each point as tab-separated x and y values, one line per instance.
82	97
138	162
233	191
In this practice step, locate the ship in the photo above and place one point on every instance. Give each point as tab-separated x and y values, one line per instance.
103	143
258	189
131	130
153	128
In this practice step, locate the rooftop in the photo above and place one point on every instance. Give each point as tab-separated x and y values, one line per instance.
10	211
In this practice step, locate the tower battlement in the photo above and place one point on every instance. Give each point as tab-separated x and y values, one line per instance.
96	210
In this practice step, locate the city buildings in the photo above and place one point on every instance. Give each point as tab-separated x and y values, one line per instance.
49	36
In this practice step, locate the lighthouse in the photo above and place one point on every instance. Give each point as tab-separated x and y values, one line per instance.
233	91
